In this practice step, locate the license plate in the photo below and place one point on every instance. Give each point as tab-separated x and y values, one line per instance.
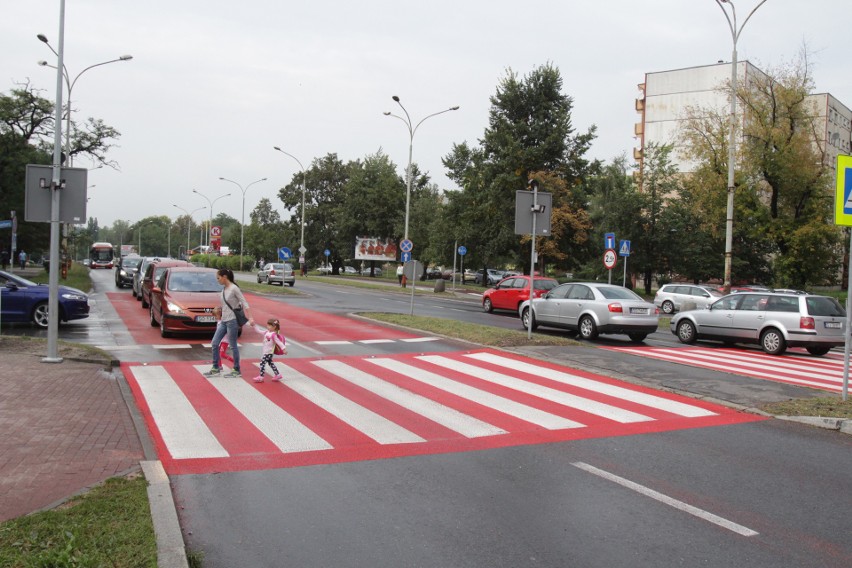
833	324
640	311
205	319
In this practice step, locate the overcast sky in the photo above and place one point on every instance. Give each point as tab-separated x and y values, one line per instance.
214	85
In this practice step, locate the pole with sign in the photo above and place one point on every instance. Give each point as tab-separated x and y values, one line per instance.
624	250
609	259
843	216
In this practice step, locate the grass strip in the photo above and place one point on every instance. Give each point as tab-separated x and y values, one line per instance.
108	526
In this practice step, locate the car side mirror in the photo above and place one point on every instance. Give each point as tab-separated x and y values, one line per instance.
11	286
155	290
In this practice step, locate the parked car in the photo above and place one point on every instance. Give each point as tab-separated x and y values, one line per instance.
772	320
324	269
136	285
182	300
126	269
277	273
592	308
511	292
24	301
153	273
349	270
376	271
494	276
671	297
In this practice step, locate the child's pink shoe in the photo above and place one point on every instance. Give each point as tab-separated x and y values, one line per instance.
258	379
277	378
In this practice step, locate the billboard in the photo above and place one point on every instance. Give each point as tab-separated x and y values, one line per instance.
373	248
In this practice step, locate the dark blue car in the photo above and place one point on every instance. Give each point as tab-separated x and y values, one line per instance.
24	301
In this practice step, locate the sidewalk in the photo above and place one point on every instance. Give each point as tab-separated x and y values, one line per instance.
64	427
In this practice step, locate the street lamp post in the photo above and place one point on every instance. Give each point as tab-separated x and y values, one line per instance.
411	132
302	249
210	203
188	223
243	217
69	84
729	219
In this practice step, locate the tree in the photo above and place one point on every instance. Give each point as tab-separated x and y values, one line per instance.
529	130
267	233
783	188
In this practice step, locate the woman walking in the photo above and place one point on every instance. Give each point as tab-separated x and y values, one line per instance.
232	301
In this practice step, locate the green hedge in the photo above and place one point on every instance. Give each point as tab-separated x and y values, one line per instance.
216	261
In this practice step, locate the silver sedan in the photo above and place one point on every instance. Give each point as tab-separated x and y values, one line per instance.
277	273
590	309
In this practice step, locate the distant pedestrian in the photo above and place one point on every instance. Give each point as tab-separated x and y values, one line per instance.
232	300
4	259
22	259
273	344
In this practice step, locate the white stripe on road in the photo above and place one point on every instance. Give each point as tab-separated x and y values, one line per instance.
184	432
668	405
419	339
362	419
465	425
372	341
680	505
572	401
274	422
504	405
173	346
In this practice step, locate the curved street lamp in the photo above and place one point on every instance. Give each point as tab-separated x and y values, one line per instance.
243	216
411	132
69	84
302	249
210	221
729	220
189	223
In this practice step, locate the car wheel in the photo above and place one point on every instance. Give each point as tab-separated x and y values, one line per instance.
686	332
258	278
291	284
132	291
818	351
144	303
588	329
668	307
487	306
163	332
773	342
637	337
526	316
151	313
40	315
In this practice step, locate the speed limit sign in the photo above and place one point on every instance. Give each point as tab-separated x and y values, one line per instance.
609	259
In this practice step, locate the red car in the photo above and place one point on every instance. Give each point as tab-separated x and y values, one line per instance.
152	273
182	300
512	291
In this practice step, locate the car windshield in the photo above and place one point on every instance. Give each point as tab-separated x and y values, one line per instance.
17	280
194	282
545	284
130	262
614	293
714	293
824	306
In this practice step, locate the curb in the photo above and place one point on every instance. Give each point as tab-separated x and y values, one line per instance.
171	551
842	425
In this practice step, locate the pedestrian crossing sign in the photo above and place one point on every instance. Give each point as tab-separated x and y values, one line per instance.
843	194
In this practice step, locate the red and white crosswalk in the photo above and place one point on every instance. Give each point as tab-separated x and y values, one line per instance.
824	373
336	409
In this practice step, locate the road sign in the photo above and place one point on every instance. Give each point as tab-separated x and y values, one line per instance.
412	269
303	250
327	252
406	245
405	257
609	240
624	248
6	224
609	259
523	212
462	250
843	194
284	253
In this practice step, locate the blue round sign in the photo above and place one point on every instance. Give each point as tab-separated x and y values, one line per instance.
284	253
327	252
462	250
406	245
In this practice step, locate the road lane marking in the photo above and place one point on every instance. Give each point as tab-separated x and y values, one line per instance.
665	499
184	432
644	399
465	425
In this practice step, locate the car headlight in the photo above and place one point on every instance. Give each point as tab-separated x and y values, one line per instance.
70	296
174	308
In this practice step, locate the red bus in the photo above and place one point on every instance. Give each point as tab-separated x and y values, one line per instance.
101	255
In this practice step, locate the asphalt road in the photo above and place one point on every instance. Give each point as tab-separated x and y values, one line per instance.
759	494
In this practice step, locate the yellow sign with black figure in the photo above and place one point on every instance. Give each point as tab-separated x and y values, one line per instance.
843	194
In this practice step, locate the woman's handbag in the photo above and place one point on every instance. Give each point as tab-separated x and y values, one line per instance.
238	312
